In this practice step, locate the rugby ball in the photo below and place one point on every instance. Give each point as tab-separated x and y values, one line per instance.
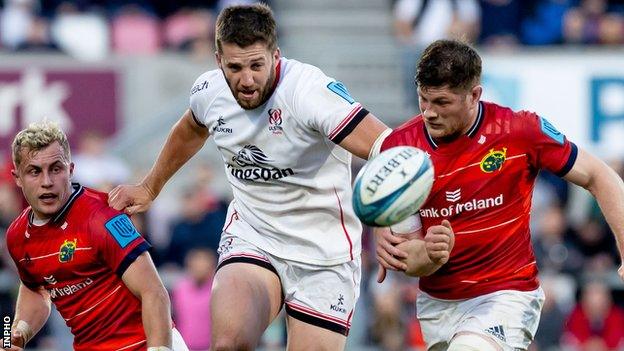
392	186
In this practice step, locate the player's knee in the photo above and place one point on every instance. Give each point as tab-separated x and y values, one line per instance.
229	342
473	342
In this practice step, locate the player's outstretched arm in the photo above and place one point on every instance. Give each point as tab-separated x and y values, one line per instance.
185	140
608	189
361	140
143	280
31	313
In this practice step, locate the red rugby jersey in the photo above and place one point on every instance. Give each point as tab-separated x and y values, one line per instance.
79	257
483	185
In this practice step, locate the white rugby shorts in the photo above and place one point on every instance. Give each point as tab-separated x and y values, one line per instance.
508	317
323	296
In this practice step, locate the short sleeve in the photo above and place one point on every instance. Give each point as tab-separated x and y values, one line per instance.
547	148
325	105
199	100
19	259
116	239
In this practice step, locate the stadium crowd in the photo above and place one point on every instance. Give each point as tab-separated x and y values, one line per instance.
575	250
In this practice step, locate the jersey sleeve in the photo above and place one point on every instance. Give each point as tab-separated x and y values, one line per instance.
116	239
547	148
202	96
14	252
325	105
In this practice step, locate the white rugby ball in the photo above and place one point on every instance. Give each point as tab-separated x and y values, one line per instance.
392	186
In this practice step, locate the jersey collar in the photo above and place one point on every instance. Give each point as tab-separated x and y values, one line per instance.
278	73
470	133
62	213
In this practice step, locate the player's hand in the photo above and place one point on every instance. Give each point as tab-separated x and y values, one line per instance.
439	242
387	254
17	342
131	198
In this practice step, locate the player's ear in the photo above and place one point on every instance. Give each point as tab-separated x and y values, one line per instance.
475	94
277	54
218	58
16	177
71	170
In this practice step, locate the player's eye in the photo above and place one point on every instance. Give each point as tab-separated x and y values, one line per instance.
256	66
34	171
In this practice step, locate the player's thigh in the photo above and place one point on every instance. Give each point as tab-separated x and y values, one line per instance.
246	295
303	336
467	341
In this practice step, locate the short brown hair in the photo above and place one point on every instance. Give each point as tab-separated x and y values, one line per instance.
449	63
245	25
36	137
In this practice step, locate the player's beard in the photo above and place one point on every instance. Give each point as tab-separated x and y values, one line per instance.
264	93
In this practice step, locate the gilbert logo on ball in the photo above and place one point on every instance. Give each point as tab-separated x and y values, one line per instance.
392	186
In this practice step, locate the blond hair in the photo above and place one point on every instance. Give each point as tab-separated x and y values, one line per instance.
36	137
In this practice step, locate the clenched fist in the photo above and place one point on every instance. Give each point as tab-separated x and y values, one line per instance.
439	241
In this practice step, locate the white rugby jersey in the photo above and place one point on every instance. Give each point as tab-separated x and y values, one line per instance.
291	181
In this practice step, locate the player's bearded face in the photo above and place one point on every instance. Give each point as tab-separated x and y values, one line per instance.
249	72
448	113
44	177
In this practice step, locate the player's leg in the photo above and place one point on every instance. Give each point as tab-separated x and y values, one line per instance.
304	336
466	341
246	295
245	299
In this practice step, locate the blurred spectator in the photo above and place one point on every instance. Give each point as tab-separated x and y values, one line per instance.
96	168
500	22
135	32
202	220
592	23
597	245
553	243
38	37
16	19
596	323
191	299
419	22
544	23
388	328
83	35
552	319
191	30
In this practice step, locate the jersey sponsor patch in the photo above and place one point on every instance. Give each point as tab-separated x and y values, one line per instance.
339	89
122	229
551	131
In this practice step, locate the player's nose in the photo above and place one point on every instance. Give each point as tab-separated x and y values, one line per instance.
429	114
247	79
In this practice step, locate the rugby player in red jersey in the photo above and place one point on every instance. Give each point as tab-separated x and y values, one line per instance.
479	279
72	250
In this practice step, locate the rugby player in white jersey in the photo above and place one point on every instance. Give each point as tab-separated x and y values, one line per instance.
286	133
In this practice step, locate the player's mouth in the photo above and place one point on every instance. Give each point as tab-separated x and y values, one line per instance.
48	198
247	94
435	125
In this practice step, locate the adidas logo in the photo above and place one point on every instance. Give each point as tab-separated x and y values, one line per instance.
497	331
